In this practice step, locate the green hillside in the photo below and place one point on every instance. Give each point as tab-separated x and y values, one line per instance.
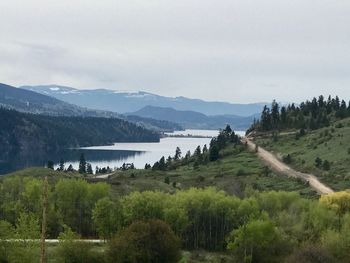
312	151
236	171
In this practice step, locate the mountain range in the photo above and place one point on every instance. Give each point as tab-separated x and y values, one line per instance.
32	102
125	102
195	120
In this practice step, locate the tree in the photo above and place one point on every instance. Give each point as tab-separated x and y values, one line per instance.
198	151
82	164
162	165
89	169
70	168
145	242
205	148
256	241
213	153
177	154
326	165
107	215
61	165
69	250
318	162
50	164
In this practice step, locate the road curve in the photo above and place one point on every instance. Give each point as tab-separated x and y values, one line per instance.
278	166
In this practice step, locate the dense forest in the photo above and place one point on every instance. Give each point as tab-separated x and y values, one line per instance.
312	115
25	132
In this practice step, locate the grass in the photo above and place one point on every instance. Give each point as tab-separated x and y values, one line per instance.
331	144
233	173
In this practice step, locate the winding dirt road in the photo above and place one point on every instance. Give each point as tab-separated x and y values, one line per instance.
278	166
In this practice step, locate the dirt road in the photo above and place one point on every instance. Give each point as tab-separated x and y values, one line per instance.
278	166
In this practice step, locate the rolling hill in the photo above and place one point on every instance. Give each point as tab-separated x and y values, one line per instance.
122	101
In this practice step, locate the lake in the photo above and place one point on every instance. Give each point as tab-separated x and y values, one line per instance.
115	155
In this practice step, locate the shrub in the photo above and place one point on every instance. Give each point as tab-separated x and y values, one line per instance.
287	159
311	254
318	162
326	165
145	242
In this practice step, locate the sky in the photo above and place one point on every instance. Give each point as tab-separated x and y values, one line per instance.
228	50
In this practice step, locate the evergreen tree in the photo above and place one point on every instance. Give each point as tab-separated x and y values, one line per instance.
89	169
61	165
70	168
205	148
177	154
162	165
82	164
50	164
213	153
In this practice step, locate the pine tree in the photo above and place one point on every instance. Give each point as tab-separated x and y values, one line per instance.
50	164
177	154
61	165
82	164
89	168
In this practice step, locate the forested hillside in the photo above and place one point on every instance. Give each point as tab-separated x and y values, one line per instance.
30	132
312	115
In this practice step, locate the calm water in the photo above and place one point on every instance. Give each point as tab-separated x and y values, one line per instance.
117	154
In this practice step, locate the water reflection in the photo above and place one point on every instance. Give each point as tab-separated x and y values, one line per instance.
112	155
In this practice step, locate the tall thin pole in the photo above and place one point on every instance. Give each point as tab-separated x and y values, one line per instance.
43	224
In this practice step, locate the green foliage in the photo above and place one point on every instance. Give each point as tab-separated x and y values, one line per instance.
107	216
145	242
70	250
311	254
256	241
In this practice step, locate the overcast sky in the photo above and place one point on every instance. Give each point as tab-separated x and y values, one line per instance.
231	50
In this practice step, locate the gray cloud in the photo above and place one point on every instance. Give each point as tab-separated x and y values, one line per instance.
232	50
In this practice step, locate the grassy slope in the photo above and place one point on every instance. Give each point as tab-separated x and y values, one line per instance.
331	143
233	173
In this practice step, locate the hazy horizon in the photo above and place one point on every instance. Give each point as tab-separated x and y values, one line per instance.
232	51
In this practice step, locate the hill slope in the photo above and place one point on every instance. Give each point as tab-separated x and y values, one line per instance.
28	132
193	120
324	152
119	101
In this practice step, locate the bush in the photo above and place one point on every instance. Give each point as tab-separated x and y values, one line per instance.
311	254
326	165
145	242
287	159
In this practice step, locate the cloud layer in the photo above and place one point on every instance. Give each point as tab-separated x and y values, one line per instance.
232	50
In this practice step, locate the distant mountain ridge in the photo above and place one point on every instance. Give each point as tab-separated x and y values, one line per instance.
124	102
41	103
195	120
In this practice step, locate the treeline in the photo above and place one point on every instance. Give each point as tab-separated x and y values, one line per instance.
314	114
199	156
262	227
25	132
